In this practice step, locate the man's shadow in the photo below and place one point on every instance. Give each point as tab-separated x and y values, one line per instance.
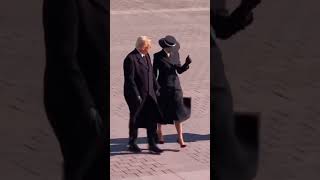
118	146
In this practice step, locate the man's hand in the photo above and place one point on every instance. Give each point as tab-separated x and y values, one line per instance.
96	120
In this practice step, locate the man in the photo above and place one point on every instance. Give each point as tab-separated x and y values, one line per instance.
235	143
75	83
140	89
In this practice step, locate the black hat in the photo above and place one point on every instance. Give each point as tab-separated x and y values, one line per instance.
169	42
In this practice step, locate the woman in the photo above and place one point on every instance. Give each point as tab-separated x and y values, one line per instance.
166	65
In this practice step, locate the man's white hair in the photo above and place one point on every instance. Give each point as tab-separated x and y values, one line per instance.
142	41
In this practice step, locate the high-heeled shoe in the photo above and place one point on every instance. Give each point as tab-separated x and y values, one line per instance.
181	145
160	140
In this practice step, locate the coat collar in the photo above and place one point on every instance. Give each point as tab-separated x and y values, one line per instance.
140	59
166	58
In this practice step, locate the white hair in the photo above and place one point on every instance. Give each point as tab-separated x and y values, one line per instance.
142	41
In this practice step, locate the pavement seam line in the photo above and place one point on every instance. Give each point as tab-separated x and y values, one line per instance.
127	12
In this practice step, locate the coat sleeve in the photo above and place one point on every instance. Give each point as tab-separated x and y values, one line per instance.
180	68
155	73
61	21
226	25
155	66
129	73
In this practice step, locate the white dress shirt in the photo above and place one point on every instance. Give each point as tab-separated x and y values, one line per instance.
168	54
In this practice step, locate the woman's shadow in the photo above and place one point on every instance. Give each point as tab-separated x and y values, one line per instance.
118	146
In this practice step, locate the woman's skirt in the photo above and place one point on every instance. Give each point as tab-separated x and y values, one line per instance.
174	106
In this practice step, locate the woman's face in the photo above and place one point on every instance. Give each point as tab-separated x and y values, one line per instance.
168	50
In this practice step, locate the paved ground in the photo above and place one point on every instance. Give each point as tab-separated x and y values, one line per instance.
189	22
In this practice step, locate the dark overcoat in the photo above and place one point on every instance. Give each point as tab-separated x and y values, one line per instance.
171	101
139	80
75	80
235	136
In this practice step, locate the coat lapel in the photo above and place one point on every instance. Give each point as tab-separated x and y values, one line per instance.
166	58
149	61
141	60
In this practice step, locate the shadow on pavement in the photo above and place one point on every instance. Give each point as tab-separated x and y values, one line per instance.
118	146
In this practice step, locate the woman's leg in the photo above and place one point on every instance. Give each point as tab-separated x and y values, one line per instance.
159	132
179	131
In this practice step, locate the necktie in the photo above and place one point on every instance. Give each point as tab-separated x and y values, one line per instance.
146	59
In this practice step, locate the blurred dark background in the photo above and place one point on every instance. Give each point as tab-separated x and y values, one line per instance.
29	149
273	67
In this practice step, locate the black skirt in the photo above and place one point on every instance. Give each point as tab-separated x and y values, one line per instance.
173	106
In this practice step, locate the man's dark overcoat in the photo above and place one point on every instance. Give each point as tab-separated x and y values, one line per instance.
139	80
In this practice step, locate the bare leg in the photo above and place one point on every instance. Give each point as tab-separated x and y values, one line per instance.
159	131
179	131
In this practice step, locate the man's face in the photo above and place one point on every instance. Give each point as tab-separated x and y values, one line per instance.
145	49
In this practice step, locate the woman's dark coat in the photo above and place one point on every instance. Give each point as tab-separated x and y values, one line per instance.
171	95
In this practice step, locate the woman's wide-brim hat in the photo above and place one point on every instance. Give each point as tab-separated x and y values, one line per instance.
169	42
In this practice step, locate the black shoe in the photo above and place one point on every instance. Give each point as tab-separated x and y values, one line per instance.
134	148
155	148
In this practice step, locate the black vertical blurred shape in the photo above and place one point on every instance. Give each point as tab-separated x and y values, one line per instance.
76	84
235	143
